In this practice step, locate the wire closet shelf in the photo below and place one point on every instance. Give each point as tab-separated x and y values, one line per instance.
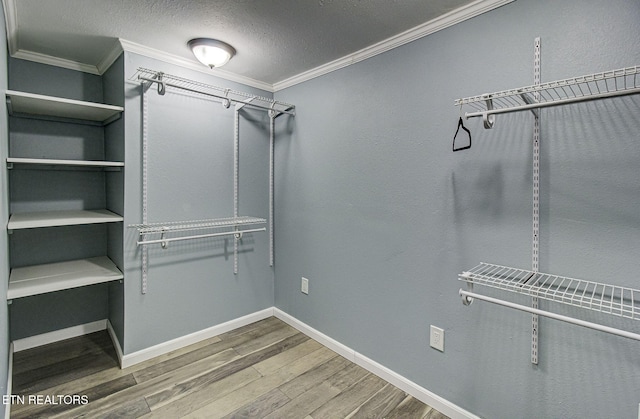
230	226
226	96
625	81
605	298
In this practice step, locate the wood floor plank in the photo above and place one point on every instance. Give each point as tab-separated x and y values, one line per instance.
284	358
42	356
311	378
257	343
347	376
204	395
32	381
193	385
261	407
349	399
306	402
379	406
410	407
257	388
132	409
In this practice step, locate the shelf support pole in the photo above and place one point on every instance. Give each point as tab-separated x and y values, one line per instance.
236	152
145	157
535	253
272	117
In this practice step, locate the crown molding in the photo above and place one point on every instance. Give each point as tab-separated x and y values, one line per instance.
55	61
110	57
129	46
11	23
461	14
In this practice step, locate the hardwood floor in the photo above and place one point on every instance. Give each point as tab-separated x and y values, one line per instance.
263	370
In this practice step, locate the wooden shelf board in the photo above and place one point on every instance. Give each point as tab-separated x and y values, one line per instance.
41	279
49	106
60	218
59	162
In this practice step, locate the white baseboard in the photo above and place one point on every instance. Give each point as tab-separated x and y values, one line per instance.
177	343
442	405
58	335
115	342
7	407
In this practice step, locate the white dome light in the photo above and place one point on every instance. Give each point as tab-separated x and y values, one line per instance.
211	52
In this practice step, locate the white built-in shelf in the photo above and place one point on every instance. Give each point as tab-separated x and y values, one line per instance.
59	162
40	279
60	218
611	299
34	105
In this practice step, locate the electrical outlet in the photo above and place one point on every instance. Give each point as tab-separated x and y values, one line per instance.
436	338
304	285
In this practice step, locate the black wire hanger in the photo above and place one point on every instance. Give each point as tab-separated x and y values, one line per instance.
461	125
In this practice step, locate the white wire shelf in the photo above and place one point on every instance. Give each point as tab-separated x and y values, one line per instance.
615	300
625	81
230	225
227	96
196	224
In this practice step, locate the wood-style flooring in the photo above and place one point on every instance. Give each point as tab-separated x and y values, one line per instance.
264	370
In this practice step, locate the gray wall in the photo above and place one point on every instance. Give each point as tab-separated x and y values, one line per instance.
191	285
374	208
4	218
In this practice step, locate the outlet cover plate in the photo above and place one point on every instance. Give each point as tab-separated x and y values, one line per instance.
436	338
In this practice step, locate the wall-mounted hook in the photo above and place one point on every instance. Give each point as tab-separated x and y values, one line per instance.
487	119
164	244
466	300
226	102
162	87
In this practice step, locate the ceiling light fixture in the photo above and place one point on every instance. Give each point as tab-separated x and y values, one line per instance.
211	52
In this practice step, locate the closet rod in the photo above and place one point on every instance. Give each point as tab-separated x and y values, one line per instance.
201	236
253	105
468	297
557	102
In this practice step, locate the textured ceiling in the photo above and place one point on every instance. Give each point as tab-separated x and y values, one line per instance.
274	39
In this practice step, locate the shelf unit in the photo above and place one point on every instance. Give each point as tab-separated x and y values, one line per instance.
605	298
37	279
227	97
